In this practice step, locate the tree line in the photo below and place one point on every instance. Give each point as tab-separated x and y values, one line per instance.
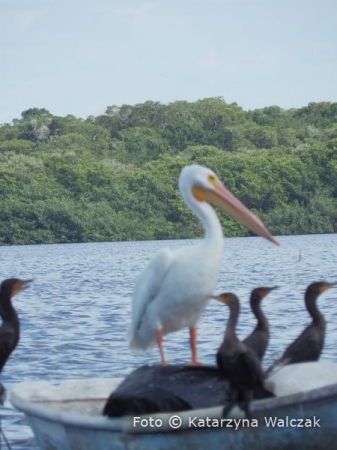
113	177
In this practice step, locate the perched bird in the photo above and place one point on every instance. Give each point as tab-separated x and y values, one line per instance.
10	328
173	290
309	344
236	361
259	339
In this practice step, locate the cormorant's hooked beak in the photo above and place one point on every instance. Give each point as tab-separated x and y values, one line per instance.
330	285
25	284
222	298
269	289
19	285
220	196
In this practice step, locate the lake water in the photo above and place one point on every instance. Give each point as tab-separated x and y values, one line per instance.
74	318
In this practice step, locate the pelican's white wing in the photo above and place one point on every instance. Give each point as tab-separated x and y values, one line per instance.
148	286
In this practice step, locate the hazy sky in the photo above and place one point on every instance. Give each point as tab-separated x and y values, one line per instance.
80	56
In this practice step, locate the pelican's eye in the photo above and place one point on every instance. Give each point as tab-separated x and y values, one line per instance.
212	180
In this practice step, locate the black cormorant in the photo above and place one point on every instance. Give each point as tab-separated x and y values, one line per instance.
10	328
236	361
309	344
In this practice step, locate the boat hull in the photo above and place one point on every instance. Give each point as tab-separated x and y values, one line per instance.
305	420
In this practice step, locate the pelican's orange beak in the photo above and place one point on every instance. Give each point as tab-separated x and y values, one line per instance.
220	196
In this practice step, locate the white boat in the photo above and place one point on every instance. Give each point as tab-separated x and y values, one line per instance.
69	416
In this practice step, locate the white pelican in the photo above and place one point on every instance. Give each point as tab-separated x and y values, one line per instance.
175	287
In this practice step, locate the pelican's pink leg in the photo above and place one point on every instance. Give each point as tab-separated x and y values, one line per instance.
159	339
193	344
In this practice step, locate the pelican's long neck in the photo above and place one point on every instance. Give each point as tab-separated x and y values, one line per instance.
209	219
